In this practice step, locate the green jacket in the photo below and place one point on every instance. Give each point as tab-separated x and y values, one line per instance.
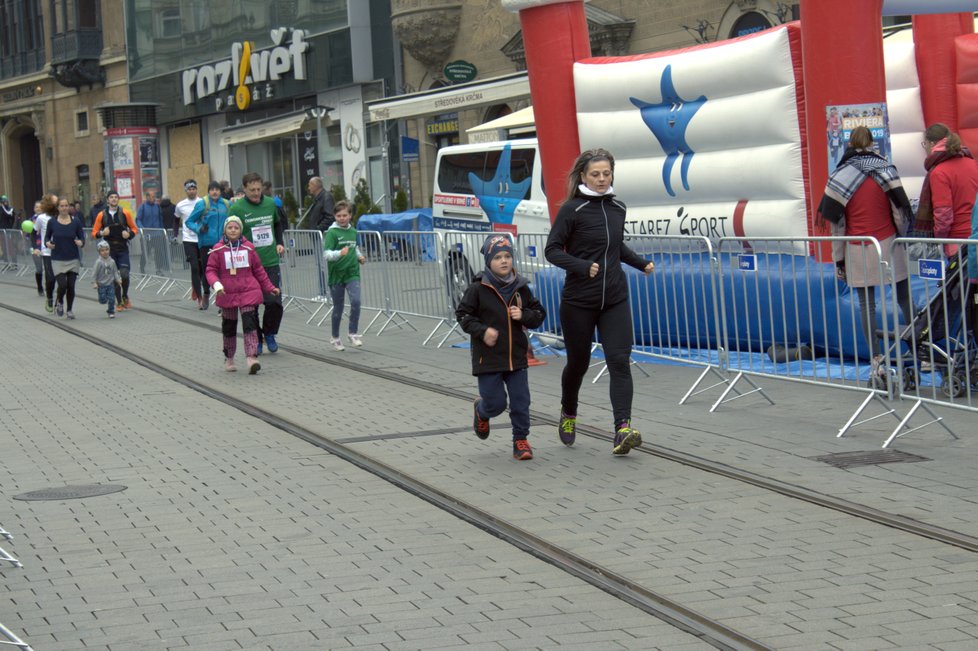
346	268
262	227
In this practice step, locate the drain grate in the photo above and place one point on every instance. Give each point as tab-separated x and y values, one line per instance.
70	492
868	458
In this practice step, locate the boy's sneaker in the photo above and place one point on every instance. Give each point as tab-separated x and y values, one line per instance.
480	425
567	429
355	340
59	309
271	343
337	344
49	306
522	450
626	438
111	315
70	314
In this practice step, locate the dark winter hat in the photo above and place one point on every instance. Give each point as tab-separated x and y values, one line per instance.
214	185
110	193
494	244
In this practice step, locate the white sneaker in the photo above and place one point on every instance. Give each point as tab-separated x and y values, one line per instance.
337	344
355	340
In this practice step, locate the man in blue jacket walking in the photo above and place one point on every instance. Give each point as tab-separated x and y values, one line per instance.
149	220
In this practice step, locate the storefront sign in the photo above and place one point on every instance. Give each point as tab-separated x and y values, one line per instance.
459	71
21	93
442	127
234	78
409	149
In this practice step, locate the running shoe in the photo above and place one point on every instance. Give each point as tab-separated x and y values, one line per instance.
70	314
355	340
337	344
128	303
49	306
626	438
271	343
205	302
522	450
567	429
229	365
261	347
111	315
59	309
253	365
480	425
120	307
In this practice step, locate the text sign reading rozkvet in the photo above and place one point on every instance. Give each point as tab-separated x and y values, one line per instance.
747	262
930	269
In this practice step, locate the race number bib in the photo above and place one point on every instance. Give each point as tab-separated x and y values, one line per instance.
235	259
262	236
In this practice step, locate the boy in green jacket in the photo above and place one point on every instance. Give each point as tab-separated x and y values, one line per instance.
343	264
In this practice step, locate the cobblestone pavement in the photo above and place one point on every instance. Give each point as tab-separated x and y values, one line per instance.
233	534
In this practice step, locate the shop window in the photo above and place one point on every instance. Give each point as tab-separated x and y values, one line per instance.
81	123
83	175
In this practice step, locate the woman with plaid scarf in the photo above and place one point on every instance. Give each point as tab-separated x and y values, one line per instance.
880	209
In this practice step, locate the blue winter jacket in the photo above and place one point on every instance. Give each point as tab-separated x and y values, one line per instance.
207	220
149	216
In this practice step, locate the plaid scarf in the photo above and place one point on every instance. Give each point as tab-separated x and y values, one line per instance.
923	225
856	166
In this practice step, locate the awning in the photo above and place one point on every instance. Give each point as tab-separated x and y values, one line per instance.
276	127
514	122
451	98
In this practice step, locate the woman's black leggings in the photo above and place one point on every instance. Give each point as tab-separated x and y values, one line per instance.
66	288
614	324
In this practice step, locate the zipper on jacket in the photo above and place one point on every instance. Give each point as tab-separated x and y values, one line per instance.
607	243
509	320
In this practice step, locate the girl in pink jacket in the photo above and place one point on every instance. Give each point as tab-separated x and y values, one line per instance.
235	273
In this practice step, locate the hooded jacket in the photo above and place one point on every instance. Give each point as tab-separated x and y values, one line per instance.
245	286
588	230
482	307
207	220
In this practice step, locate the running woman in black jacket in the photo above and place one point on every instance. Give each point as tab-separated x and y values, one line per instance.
587	240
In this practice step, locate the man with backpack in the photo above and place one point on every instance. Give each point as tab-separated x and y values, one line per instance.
116	226
207	221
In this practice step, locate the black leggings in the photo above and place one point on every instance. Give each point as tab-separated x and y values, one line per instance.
197	259
48	277
614	324
66	288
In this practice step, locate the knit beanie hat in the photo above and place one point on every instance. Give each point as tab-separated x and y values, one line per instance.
495	244
232	220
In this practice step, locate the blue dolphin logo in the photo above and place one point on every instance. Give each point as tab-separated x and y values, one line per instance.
668	121
499	196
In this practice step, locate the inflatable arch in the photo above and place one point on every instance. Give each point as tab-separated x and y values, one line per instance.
730	138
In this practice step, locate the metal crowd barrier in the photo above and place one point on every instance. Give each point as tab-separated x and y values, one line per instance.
149	260
13	640
934	359
304	272
14	246
738	307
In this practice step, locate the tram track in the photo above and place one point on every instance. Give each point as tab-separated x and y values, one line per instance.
671	611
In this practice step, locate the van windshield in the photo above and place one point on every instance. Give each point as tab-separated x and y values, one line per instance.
453	173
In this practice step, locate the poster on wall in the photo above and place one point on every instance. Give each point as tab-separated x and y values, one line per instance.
841	119
122	153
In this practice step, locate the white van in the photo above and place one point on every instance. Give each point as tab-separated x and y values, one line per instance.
490	186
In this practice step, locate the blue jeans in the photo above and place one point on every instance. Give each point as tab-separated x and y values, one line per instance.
106	296
493	388
337	292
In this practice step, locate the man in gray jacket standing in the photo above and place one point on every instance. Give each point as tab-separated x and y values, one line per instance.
321	211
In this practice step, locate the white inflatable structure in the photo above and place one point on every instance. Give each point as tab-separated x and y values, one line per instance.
709	140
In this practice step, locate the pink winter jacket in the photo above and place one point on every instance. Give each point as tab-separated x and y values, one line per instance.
243	288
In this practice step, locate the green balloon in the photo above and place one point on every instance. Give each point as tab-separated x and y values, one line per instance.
27	226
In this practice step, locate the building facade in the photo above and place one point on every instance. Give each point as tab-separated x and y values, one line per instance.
59	59
463	61
272	86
